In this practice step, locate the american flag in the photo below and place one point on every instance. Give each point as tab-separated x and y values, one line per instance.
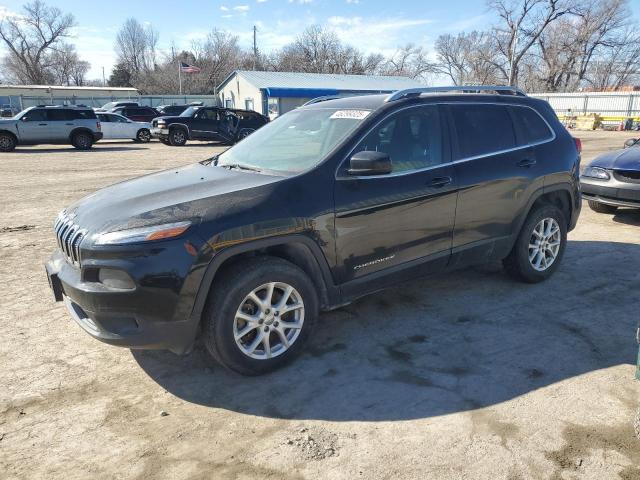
186	68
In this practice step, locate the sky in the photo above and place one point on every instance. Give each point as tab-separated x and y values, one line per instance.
371	25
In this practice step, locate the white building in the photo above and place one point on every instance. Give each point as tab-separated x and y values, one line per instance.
275	93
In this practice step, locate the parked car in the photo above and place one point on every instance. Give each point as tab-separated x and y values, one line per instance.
8	111
329	203
171	110
75	125
107	107
116	126
137	114
207	123
612	180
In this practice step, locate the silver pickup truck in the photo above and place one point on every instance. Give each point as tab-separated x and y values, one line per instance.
74	125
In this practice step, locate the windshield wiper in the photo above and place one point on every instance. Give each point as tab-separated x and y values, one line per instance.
239	166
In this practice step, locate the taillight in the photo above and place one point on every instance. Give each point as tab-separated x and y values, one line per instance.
578	144
98	126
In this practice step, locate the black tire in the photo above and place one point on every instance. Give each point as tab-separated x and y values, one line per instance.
82	141
143	135
517	263
602	208
230	294
7	142
177	137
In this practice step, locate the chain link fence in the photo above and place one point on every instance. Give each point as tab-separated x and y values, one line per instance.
24	101
612	106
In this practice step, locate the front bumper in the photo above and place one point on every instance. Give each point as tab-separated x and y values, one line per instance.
124	318
160	132
97	136
611	192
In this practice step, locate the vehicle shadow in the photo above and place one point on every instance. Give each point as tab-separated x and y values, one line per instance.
440	345
628	217
96	148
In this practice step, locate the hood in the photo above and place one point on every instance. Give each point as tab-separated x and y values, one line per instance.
192	192
171	118
627	159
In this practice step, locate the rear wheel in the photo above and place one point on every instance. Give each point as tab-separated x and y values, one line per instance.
144	135
260	316
539	247
601	207
82	141
177	137
7	142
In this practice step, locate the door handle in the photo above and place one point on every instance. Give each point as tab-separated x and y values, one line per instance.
526	163
42	124
440	182
69	124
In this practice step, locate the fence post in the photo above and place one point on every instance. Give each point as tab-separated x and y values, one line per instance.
630	105
585	104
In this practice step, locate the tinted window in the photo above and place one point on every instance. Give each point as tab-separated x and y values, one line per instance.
117	119
35	116
533	127
412	138
104	118
58	115
207	114
83	114
483	129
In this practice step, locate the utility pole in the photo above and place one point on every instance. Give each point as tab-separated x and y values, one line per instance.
255	46
104	82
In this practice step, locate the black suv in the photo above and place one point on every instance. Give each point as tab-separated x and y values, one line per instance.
330	202
207	123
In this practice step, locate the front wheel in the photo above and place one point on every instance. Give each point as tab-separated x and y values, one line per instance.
144	135
177	137
244	133
539	247
601	207
260	315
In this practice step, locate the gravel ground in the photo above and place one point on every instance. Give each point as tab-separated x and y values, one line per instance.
464	376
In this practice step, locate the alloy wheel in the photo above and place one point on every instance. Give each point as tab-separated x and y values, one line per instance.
269	320
544	244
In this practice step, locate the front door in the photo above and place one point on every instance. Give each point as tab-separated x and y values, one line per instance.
205	124
33	126
403	219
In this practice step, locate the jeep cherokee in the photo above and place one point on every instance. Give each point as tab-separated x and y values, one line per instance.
77	126
328	203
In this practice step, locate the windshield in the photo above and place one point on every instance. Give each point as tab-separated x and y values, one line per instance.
294	142
189	112
109	105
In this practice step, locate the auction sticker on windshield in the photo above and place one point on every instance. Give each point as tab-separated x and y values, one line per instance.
353	114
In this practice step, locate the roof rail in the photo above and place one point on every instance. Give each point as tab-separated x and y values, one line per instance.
416	92
324	98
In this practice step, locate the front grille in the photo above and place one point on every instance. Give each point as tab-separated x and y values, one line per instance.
69	237
628	176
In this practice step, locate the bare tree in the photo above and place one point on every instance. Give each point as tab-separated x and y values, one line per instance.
31	39
468	58
135	48
411	61
66	66
522	22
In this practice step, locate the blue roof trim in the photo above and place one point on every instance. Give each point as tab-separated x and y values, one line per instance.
299	92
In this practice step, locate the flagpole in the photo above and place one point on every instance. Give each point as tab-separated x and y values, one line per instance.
180	77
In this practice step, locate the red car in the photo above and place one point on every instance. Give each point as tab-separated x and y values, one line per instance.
137	114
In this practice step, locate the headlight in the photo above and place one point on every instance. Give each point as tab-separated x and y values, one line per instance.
144	234
596	172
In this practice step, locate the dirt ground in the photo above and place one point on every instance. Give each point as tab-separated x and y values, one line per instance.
465	376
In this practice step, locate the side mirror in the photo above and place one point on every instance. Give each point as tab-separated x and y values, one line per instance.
630	143
370	163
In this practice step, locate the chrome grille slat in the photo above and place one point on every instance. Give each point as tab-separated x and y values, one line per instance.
69	236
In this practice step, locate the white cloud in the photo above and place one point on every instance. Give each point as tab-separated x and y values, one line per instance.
224	8
354	2
371	34
261	1
301	2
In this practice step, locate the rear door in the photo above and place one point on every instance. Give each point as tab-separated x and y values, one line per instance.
108	127
404	218
497	174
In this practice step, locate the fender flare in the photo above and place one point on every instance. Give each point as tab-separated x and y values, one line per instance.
80	130
182	126
331	291
10	133
564	186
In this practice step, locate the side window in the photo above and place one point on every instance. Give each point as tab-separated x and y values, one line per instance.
35	116
483	129
412	138
82	114
58	115
117	119
104	118
533	127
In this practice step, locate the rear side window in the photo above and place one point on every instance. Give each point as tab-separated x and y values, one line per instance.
58	115
534	128
483	129
83	114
